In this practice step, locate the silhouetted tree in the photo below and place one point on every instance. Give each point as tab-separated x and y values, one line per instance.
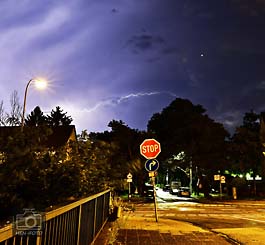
32	175
58	117
245	146
20	156
125	152
184	127
36	118
2	114
13	118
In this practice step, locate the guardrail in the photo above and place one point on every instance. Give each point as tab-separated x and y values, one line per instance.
77	223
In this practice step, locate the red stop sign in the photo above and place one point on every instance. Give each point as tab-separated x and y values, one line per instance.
150	148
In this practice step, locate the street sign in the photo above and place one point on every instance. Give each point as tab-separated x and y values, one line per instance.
217	177
150	148
152	174
129	180
151	165
222	179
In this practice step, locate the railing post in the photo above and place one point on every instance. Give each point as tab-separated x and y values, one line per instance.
38	240
95	216
79	225
103	211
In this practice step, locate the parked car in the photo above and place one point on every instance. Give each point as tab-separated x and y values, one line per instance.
181	191
184	192
149	191
174	187
166	188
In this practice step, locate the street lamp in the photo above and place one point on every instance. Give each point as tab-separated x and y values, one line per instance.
40	84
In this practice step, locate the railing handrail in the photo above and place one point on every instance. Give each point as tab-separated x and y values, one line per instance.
6	232
53	213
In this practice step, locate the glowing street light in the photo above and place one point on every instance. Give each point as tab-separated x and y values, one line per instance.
40	84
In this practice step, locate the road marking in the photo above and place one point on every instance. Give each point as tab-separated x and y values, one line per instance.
256	220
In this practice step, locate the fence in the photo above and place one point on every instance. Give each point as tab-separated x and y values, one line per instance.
77	223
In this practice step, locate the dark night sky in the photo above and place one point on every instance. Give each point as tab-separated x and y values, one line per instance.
127	59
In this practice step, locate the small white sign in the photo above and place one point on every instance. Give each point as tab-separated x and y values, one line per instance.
129	180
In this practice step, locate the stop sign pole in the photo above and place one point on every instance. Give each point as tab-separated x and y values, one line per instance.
150	149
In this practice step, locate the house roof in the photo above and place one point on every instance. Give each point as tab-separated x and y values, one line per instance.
60	135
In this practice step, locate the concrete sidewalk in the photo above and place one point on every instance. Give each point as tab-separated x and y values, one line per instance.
139	227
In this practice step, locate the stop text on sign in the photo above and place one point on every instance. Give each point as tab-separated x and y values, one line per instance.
150	148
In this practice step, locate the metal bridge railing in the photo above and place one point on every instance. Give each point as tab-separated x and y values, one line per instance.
75	224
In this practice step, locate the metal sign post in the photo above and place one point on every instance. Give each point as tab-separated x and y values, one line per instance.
222	181
129	180
152	175
155	201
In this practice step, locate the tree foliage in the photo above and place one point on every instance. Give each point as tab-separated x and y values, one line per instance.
2	113
246	146
184	127
36	118
95	158
58	117
32	175
125	154
11	118
18	169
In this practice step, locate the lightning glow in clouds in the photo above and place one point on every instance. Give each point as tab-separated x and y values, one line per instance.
97	117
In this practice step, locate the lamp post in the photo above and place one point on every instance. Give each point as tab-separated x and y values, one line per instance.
41	84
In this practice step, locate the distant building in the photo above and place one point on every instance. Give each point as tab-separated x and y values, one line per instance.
61	136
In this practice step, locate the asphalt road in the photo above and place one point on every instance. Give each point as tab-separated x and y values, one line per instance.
236	219
214	216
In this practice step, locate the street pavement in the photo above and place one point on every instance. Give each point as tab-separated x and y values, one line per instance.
138	225
141	227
